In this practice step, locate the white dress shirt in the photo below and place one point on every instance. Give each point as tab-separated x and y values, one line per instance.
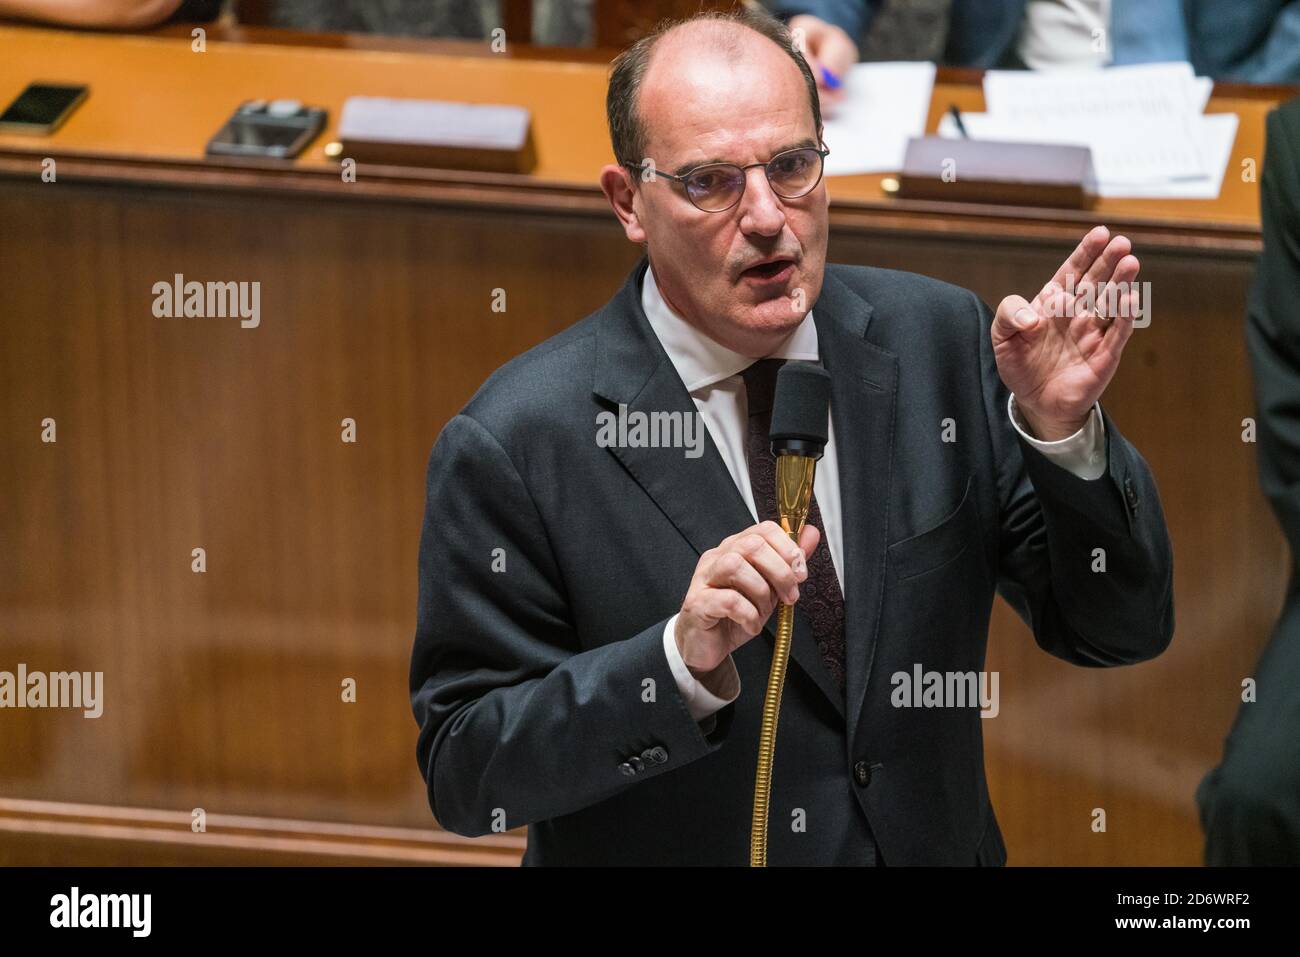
1056	34
711	373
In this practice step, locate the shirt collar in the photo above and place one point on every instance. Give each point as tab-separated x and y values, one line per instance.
702	361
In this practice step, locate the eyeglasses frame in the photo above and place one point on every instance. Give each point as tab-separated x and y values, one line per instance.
744	175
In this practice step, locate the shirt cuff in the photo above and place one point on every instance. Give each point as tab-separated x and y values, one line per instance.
1083	454
700	701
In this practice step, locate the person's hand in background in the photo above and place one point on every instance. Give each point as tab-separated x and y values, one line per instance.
93	14
825	47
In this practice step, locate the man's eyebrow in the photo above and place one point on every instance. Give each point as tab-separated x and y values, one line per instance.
806	142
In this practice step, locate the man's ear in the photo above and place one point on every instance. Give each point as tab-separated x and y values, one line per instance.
617	184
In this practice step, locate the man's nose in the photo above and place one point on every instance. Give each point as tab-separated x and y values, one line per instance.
760	209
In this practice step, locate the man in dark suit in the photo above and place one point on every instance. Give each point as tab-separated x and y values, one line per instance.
1250	803
593	568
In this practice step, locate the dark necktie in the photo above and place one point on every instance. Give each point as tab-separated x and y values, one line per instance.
819	595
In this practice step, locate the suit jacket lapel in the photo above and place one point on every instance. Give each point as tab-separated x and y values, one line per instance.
864	384
632	369
699	497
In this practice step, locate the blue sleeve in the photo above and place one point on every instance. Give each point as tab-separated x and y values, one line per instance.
851	16
1249	41
1277	60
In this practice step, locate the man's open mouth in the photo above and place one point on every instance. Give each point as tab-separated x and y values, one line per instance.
767	271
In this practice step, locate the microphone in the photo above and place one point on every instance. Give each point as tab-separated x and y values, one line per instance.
798	435
800	408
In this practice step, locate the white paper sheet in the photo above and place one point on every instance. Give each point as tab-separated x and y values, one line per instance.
1146	91
1218	134
886	104
1145	125
1215	135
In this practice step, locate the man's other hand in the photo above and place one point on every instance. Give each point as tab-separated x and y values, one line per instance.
735	589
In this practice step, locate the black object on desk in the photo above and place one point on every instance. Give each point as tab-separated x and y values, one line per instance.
278	129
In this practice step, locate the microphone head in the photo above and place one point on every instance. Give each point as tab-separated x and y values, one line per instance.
800	409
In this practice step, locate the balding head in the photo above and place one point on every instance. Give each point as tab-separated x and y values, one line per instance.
726	37
722	89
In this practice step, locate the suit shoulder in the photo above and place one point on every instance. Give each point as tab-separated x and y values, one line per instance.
1286	118
894	292
1283	145
552	375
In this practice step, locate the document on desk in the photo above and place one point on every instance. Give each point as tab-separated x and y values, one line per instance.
1145	125
885	105
1151	91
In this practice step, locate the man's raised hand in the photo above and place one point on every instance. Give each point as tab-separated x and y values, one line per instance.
1058	352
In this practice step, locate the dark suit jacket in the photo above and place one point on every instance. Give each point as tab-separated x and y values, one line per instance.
533	685
1250	803
1253	41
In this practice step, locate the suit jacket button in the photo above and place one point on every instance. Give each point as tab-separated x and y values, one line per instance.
637	763
862	773
1130	495
655	755
627	769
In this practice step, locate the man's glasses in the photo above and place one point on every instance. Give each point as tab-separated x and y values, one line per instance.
717	187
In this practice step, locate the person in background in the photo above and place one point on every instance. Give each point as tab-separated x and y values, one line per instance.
1250	803
1253	41
110	14
556	22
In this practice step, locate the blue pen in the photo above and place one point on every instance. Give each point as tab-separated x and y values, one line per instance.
830	79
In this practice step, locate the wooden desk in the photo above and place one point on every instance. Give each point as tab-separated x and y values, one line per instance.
224	687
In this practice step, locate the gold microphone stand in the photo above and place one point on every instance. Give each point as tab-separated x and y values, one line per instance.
794	488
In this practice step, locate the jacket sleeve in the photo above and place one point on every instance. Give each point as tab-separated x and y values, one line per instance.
1087	564
517	724
1272	332
1255	42
851	16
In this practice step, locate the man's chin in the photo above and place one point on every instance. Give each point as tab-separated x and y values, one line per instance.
788	297
775	315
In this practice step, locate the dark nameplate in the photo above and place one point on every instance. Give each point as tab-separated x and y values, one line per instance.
987	171
402	132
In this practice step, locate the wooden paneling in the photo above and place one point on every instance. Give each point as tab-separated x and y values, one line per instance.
52	833
224	688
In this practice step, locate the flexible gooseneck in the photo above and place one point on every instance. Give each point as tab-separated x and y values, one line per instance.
794	488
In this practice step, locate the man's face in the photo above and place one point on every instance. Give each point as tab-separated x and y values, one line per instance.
701	106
